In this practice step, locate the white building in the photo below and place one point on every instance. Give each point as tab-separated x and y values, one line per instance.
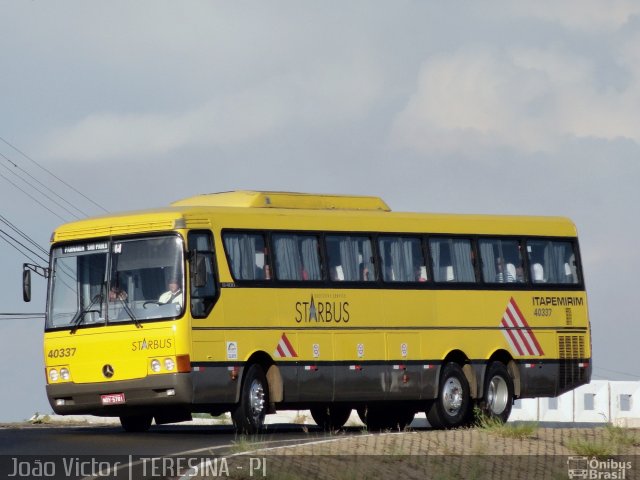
600	401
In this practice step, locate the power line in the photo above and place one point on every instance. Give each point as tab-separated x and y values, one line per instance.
23	235
21	316
34	199
18	167
24	246
39	191
52	174
21	252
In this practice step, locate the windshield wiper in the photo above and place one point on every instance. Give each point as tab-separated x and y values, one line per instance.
129	312
79	318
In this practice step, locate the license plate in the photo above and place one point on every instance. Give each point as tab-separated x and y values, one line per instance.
113	399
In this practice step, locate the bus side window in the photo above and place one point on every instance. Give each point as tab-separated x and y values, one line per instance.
248	255
453	259
203	289
297	257
501	260
552	261
402	259
350	258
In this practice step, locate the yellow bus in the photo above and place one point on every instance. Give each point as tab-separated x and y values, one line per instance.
249	302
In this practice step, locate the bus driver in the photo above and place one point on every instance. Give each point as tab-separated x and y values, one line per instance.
174	294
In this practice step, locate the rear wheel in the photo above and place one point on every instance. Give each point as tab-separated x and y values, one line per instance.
248	416
331	417
498	392
391	416
136	423
452	407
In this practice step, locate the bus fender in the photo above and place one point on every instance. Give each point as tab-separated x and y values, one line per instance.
514	371
276	388
470	373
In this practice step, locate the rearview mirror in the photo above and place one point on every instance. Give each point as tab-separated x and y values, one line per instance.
26	285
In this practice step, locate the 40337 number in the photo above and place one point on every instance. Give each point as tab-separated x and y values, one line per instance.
62	352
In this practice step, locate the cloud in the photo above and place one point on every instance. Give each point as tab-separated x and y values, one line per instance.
112	135
589	15
315	96
527	99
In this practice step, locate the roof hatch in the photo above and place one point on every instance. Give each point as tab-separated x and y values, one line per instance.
254	199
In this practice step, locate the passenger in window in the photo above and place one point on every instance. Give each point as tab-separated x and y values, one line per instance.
117	293
336	274
262	272
570	270
519	274
421	274
504	274
537	272
364	273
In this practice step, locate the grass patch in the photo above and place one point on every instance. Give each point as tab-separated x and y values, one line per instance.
591	448
616	441
243	443
520	430
39	419
622	437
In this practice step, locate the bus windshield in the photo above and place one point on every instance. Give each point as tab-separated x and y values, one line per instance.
116	281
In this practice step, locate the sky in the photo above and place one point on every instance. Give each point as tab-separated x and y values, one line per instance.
497	107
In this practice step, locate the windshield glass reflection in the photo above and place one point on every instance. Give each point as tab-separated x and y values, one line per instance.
114	282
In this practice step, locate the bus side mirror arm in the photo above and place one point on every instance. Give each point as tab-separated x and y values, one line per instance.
27	268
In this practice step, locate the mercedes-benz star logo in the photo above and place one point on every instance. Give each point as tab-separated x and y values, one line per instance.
107	371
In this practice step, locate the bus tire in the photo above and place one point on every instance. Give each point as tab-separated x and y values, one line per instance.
451	409
330	417
388	417
498	392
248	416
136	423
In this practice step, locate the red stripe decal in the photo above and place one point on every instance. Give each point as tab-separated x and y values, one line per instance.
520	334
510	333
288	345
524	321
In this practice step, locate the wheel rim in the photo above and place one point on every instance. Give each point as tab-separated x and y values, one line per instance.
498	395
452	396
256	398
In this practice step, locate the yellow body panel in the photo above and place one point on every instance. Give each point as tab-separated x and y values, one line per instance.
357	325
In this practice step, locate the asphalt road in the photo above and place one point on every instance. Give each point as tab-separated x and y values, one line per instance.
159	441
25	448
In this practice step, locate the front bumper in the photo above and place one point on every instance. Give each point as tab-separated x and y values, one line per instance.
145	394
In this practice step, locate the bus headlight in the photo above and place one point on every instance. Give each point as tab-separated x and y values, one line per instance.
53	375
169	364
64	374
155	365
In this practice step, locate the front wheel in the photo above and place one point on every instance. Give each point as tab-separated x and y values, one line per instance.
498	392
248	416
136	423
452	407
